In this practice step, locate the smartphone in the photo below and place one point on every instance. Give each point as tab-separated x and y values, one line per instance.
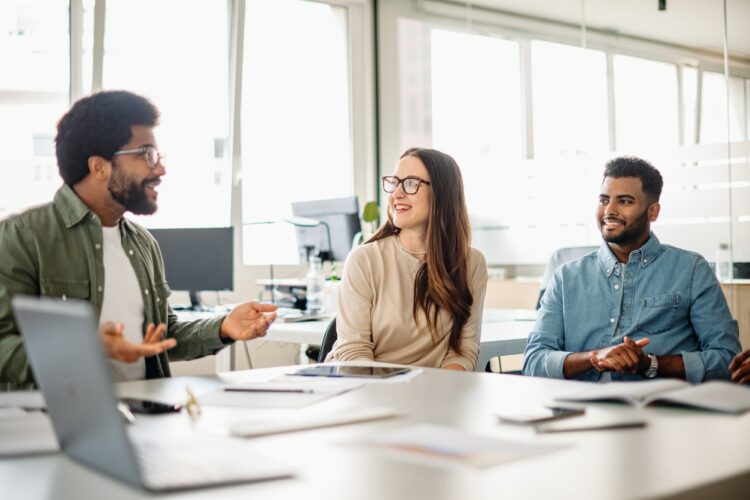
539	414
351	371
149	407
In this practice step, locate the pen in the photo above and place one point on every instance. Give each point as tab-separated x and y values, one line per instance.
269	389
125	412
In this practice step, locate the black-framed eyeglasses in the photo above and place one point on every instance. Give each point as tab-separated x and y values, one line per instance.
411	184
152	155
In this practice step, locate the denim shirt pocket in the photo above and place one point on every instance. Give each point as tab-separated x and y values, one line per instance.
658	312
65	289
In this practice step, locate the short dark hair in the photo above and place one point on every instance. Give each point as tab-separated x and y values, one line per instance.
631	166
99	125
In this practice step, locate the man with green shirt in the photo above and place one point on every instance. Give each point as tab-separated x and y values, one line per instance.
80	246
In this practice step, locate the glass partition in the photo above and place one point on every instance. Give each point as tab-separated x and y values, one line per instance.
533	99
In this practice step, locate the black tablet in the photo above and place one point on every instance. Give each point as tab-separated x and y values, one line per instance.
351	371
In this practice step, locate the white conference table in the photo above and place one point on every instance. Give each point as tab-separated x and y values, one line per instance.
679	454
504	331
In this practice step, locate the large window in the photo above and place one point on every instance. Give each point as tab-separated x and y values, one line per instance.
178	56
476	110
296	119
569	100
646	105
532	118
714	109
34	82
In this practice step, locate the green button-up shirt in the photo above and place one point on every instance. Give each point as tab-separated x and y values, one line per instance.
56	250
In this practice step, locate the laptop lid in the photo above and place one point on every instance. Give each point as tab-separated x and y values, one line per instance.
67	358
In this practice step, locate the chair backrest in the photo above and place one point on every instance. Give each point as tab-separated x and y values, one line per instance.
329	337
558	258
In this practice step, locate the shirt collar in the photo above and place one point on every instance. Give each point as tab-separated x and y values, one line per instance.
646	254
73	210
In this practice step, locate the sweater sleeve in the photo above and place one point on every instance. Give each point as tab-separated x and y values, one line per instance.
355	303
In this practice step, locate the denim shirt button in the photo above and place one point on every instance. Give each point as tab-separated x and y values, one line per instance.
611	320
617	287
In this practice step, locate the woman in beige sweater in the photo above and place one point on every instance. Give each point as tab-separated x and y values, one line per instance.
413	293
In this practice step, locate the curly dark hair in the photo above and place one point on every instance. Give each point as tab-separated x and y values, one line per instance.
631	166
99	125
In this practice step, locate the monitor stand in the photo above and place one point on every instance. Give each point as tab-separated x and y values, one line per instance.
195	301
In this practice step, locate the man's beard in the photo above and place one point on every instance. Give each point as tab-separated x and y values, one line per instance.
130	194
632	232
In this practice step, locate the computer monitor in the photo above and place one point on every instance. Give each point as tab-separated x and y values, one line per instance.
332	239
197	259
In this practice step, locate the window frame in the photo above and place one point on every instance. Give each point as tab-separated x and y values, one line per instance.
362	101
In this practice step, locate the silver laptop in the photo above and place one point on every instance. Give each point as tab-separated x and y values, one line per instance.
68	361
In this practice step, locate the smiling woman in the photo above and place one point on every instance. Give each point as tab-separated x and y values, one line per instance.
413	293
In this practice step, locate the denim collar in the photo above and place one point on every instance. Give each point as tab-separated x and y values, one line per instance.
73	210
646	255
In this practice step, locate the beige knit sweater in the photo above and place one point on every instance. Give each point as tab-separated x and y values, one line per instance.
375	319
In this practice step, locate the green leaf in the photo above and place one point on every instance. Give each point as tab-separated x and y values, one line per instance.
370	212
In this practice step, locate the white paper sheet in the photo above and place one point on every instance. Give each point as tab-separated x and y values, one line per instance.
31	400
26	433
312	391
444	446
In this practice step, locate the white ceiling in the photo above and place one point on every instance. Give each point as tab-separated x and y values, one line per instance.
693	23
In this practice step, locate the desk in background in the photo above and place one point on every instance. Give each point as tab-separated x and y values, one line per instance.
504	332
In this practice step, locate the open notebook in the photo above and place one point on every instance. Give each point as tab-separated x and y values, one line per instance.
717	396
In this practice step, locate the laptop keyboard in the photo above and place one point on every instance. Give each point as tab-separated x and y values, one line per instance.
185	465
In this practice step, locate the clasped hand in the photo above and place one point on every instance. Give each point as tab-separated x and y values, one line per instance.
626	357
739	368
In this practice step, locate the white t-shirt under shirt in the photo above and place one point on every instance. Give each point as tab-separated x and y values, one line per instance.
123	302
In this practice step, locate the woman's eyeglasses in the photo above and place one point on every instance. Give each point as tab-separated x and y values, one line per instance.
411	184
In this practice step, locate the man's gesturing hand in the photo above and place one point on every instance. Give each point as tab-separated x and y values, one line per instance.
117	347
248	321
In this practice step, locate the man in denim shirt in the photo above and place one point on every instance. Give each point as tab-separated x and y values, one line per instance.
635	309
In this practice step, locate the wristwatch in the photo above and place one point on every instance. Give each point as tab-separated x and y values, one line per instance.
653	367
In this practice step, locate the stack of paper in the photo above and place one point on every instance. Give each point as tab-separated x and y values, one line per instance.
277	393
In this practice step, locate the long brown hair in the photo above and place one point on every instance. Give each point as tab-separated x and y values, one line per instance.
442	282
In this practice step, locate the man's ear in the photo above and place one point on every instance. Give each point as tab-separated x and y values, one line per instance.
99	167
653	211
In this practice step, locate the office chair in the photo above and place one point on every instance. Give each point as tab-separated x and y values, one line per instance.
329	337
558	258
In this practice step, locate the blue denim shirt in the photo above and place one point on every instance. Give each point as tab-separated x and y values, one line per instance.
666	294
